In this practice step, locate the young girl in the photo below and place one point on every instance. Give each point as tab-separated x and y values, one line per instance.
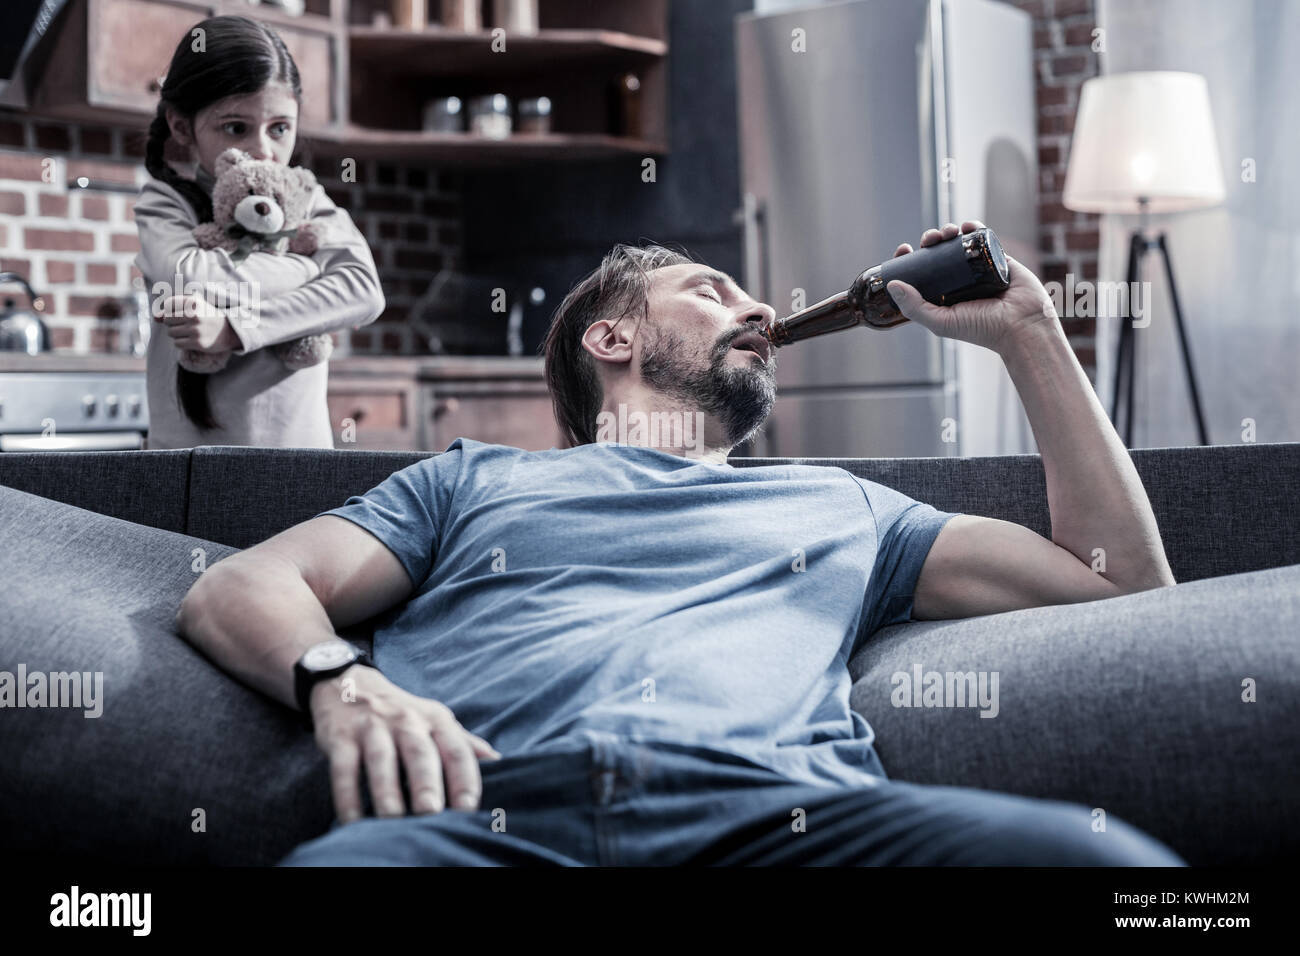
235	85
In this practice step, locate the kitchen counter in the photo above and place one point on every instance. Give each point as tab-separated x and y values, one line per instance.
376	401
418	367
70	362
431	368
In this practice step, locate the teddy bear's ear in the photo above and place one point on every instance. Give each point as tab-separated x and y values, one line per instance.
306	178
227	159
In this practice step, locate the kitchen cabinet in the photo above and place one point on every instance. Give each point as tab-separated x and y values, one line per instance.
425	403
103	60
318	54
130	44
516	413
372	412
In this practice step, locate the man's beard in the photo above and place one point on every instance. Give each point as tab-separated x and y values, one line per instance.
740	398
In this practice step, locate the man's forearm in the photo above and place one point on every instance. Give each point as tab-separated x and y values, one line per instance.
253	615
1093	491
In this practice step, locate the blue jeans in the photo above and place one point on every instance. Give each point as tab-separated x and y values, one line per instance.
609	801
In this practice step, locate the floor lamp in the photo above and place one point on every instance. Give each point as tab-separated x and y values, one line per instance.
1144	143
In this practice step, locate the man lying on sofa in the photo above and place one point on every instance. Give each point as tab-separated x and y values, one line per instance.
655	642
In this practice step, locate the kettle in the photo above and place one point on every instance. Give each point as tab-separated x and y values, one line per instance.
22	330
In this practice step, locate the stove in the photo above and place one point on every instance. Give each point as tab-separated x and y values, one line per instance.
72	411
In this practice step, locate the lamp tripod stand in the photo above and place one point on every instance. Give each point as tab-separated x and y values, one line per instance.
1138	247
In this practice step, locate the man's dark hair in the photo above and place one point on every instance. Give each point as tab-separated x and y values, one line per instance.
617	288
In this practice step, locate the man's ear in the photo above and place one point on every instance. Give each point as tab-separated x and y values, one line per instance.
609	341
182	129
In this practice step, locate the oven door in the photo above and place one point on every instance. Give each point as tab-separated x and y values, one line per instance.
85	441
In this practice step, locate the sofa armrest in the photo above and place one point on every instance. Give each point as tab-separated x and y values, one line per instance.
183	764
1137	705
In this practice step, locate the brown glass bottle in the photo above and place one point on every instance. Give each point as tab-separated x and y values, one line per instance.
965	267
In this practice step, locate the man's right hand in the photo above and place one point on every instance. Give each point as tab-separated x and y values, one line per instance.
383	724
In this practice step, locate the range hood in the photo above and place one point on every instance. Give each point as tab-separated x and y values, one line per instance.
22	24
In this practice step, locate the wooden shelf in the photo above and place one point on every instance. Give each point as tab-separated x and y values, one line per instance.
102	59
576	59
468	148
437	51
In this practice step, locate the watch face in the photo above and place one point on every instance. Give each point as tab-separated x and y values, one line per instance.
329	654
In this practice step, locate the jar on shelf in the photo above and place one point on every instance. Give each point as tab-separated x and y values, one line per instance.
535	114
518	17
626	106
410	14
446	114
490	116
294	8
461	15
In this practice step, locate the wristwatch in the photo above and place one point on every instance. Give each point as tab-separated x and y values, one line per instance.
321	662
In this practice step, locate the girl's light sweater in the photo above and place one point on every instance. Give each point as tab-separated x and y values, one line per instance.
255	399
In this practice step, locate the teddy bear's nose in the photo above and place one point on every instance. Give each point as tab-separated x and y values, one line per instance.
262	209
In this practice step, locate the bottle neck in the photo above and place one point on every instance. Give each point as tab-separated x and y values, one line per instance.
829	315
865	303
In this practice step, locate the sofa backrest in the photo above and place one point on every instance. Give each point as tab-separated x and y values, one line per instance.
240	496
147	487
1223	509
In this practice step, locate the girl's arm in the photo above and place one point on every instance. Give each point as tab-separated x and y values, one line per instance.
346	293
166	222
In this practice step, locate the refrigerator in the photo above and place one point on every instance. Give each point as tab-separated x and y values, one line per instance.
861	124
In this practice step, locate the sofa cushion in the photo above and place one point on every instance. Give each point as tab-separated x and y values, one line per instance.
1133	705
90	593
147	487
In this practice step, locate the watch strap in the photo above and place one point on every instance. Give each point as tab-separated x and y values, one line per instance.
305	680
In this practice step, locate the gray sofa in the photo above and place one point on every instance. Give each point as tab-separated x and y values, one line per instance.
1132	705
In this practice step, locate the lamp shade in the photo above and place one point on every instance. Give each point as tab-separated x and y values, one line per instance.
1146	135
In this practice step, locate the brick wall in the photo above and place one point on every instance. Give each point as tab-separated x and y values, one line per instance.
411	216
1063	59
76	247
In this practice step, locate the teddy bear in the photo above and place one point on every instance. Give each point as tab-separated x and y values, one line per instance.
260	206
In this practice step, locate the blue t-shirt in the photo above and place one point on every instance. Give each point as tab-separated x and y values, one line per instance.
616	589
